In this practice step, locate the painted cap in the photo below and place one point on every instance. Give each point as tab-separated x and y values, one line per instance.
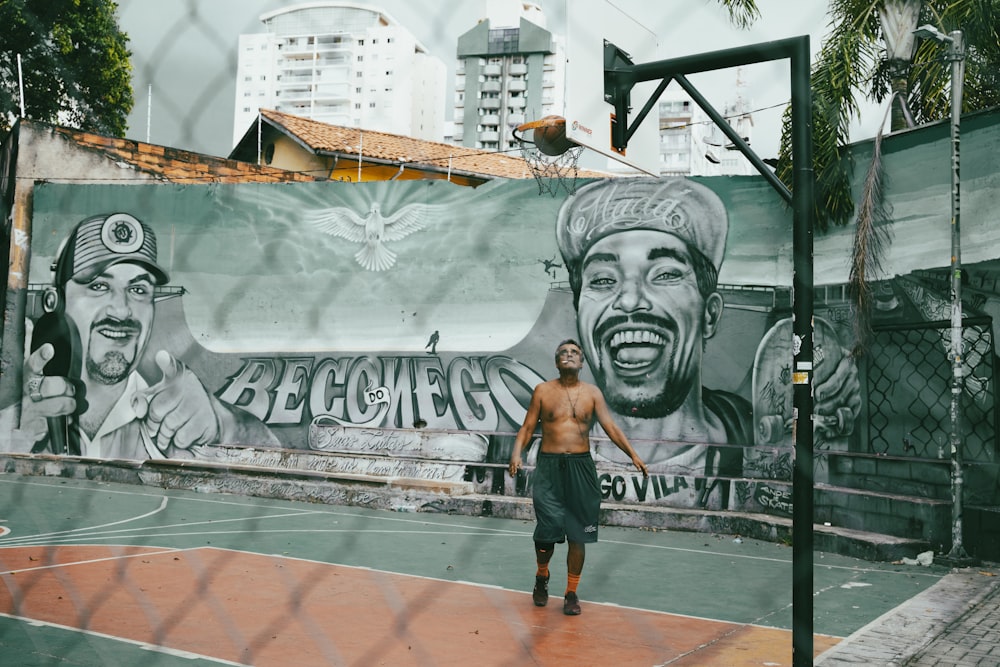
105	240
678	206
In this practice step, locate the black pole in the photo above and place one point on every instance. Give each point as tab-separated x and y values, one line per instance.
802	375
619	79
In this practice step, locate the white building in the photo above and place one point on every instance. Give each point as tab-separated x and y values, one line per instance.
692	145
510	70
340	63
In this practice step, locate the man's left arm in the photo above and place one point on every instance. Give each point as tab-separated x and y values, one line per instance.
617	436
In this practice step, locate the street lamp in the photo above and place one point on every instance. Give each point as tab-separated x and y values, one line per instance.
955	55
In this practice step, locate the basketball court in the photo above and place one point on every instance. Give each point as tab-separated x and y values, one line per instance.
107	574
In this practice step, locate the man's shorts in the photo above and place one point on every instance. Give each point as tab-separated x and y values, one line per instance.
567	498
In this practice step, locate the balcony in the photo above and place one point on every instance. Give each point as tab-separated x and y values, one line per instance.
492	70
518	69
490	103
491	87
517	85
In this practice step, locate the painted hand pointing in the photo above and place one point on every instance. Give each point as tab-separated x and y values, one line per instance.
177	410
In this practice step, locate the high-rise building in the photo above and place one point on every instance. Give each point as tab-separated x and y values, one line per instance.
510	70
340	63
692	145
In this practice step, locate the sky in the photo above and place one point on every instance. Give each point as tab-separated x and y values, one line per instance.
184	56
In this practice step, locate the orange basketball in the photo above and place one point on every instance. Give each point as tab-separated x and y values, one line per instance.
550	136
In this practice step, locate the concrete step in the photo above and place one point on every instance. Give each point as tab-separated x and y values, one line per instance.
890	514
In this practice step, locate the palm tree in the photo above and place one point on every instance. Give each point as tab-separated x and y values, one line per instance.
870	51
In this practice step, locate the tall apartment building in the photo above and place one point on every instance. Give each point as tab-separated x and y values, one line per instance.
340	63
692	145
510	70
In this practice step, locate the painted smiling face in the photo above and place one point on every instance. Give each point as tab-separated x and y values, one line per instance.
643	321
113	311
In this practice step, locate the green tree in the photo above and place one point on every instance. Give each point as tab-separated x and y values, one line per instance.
870	51
75	64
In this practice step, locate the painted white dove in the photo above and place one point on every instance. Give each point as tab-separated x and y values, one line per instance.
372	230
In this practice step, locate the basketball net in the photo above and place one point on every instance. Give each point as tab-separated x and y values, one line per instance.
553	172
551	157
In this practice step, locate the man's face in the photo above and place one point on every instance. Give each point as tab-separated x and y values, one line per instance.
113	313
642	321
569	357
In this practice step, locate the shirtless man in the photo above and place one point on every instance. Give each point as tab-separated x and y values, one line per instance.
565	490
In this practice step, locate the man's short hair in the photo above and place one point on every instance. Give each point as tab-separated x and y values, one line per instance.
678	206
568	341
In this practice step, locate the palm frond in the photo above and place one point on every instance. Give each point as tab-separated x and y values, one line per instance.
872	237
742	13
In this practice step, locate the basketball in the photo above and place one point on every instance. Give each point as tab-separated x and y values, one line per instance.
550	137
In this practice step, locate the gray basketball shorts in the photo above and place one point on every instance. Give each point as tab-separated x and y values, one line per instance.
567	498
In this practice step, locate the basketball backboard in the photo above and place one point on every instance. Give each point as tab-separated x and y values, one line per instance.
589	24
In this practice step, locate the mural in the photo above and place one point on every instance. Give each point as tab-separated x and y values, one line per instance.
406	323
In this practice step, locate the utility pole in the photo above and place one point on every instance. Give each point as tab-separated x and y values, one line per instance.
955	44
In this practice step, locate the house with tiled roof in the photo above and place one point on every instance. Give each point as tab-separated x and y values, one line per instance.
353	154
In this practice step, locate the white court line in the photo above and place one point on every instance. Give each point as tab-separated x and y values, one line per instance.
481	530
47	537
187	655
278	531
60	533
244	505
55	566
365	568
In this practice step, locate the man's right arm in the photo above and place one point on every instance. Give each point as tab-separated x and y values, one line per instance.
525	432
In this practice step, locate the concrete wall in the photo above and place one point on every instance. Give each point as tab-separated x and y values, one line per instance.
295	310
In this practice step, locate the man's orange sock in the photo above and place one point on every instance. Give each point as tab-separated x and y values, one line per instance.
572	581
543	570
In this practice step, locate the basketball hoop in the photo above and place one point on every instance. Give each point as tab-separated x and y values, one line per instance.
550	155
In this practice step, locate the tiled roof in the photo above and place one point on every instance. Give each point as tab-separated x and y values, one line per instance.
393	148
178	166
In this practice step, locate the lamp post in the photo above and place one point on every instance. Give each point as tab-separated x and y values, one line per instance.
956	56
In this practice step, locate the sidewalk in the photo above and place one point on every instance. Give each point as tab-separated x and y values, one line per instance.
954	623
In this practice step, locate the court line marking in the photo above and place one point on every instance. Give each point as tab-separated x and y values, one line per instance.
187	655
70	531
154	551
97	532
478	529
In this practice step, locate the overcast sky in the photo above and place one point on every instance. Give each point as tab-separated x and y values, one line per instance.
187	49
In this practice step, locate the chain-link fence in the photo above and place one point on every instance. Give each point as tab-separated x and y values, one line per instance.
909	392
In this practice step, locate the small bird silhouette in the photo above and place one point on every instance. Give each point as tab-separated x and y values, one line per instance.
372	230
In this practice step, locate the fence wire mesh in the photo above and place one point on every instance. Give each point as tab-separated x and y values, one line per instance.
188	592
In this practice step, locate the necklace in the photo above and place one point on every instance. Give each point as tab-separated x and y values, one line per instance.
572	403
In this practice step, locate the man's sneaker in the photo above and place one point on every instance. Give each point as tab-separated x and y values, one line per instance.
541	593
571	605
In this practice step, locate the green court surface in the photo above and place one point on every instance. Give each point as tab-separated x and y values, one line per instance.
704	576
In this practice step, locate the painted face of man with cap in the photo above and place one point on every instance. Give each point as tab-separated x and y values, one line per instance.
109	293
643	257
643	320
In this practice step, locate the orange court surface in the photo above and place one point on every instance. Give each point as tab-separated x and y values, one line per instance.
113	574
